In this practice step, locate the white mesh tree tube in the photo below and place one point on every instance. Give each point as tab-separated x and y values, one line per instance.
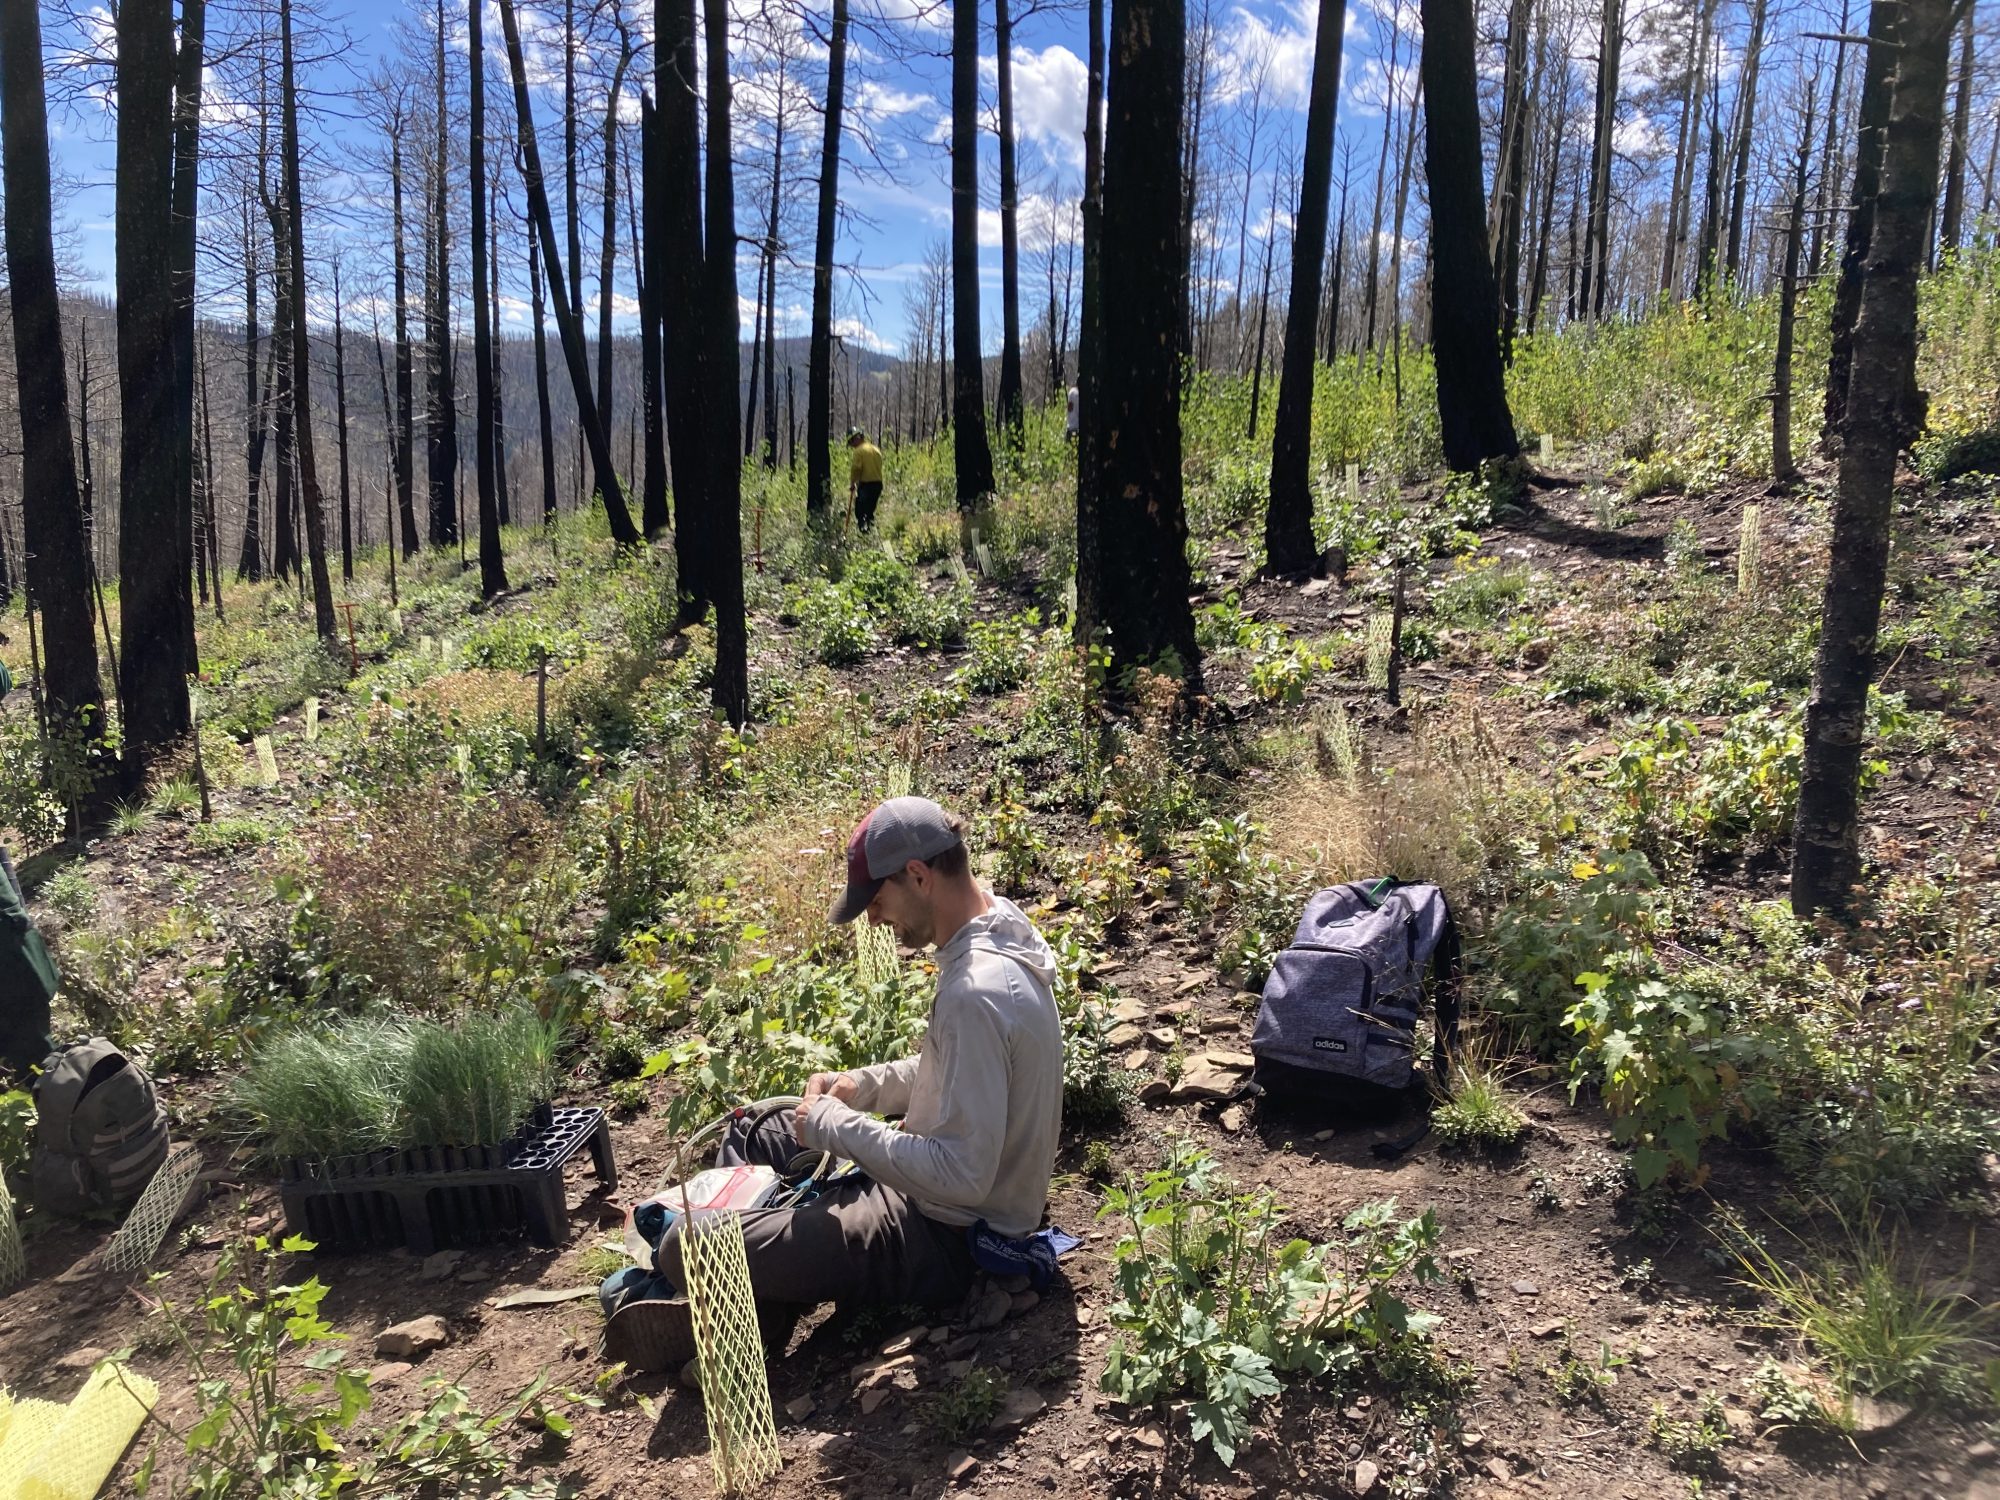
13	1261
1749	550
138	1238
735	1391
1381	645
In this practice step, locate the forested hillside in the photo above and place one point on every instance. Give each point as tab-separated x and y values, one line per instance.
431	726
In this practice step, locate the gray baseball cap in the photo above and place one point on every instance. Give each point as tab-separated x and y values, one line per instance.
896	832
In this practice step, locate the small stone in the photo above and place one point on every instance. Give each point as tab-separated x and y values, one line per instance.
440	1265
1012	1284
1019	1407
960	1467
1024	1302
1241	1062
1138	1061
940	1335
1471	1442
1131	1011
1154	1090
1205	1083
871	1400
1365	1474
1981	1452
1645	1351
384	1373
1220	1023
1232	1119
1190	984
903	1343
412	1339
473	1277
1152	1435
957	1369
872	1373
1872	1416
990	1311
1526	1289
84	1359
1322	1135
1163	1036
1498	1469
800	1407
1547	1330
1173	1010
962	1346
1123	1035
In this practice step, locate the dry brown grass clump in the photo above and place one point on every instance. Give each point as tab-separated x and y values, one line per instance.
404	894
1453	813
480	696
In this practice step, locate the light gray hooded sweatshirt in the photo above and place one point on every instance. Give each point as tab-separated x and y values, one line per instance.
982	1101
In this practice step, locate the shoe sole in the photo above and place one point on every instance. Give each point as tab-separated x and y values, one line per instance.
653	1335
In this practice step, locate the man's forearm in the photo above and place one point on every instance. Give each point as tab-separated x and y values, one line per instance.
884	1089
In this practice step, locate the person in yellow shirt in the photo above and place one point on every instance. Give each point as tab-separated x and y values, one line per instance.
864	478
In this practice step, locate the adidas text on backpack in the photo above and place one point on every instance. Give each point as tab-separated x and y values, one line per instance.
1337	1026
100	1133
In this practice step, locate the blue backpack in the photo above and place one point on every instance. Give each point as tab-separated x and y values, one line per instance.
1337	1027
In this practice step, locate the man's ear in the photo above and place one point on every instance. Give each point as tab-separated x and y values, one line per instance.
919	873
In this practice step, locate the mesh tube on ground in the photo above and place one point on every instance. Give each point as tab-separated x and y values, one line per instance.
13	1259
138	1238
87	1442
736	1392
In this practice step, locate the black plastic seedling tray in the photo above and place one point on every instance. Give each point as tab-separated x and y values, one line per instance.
432	1197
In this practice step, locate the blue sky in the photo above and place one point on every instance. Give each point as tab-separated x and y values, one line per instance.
894	195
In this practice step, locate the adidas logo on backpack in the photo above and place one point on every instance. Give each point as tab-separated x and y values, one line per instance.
100	1133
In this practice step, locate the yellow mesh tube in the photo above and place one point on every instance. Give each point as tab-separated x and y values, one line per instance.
78	1455
29	1424
736	1393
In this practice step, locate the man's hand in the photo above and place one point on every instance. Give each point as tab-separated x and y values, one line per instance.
840	1085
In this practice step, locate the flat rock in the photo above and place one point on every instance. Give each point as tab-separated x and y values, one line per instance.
962	1346
960	1467
1872	1417
904	1342
440	1265
1204	1083
84	1359
1242	1062
1152	1435
1154	1090
871	1400
1547	1330
1190	984
1365	1474
1173	1010
1497	1469
1216	1024
957	1369
1232	1118
990	1311
800	1407
1124	1034
413	1339
1134	1011
1163	1036
1139	1061
1024	1301
1019	1407
382	1374
872	1373
1526	1289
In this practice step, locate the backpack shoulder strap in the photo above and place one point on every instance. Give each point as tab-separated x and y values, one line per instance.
1447	975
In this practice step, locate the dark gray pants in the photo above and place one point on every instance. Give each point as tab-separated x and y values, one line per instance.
858	1241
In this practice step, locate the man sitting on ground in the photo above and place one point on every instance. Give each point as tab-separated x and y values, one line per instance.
981	1106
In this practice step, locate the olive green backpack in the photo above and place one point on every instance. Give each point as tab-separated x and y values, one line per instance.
100	1133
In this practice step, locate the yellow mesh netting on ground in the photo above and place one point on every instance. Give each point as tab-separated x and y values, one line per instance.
138	1238
742	1433
52	1452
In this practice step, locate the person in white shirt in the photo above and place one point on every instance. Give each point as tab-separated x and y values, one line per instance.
981	1107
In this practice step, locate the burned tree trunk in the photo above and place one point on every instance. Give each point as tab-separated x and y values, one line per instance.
819	354
1142	585
972	455
485	440
722	526
1880	417
1007	406
1473	418
56	563
154	596
1289	545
